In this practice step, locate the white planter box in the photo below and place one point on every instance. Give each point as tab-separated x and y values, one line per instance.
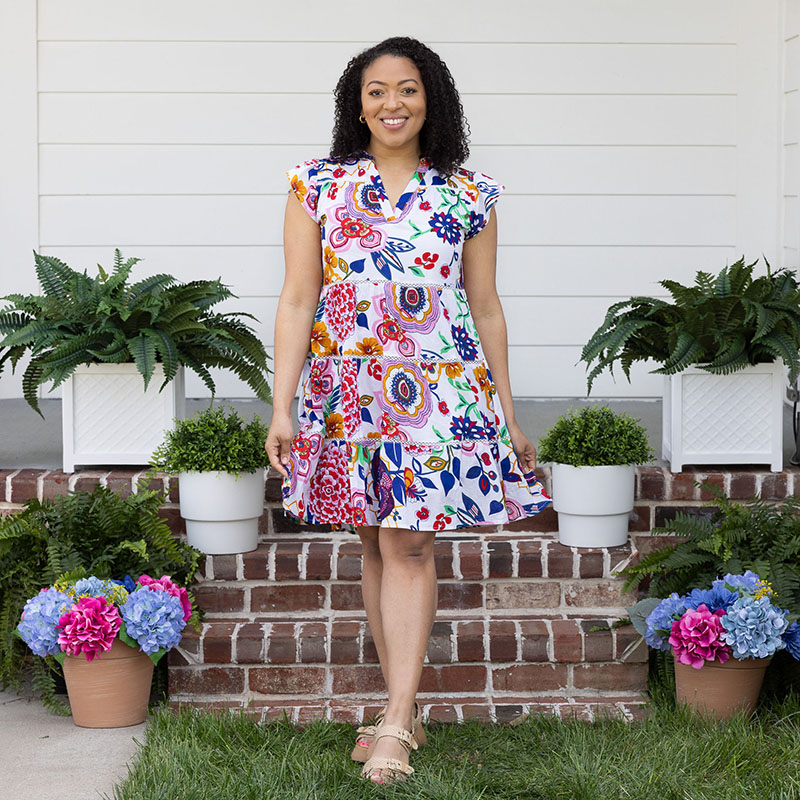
724	419
108	418
222	510
593	504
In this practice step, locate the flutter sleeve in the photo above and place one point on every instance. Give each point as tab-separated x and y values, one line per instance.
489	191
304	184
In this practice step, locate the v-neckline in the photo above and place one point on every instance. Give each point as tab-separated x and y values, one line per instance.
391	214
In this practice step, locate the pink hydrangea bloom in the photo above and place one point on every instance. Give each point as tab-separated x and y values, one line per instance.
166	584
90	626
697	637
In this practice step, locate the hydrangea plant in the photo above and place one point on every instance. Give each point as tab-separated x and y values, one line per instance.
85	617
735	618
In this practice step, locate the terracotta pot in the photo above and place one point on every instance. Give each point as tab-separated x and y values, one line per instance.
112	690
721	689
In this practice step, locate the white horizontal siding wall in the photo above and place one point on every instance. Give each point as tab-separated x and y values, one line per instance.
791	134
638	141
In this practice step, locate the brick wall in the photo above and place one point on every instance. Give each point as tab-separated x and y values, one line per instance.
284	627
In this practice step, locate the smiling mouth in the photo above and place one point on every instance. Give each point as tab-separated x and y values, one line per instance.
394	122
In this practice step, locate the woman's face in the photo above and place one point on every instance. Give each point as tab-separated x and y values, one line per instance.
393	101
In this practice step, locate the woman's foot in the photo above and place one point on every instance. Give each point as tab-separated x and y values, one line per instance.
391	748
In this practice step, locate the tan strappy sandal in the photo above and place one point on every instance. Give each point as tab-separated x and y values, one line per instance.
366	733
398	769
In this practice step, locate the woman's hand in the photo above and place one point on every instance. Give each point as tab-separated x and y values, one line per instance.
278	444
526	452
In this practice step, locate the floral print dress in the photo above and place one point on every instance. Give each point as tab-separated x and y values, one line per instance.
399	424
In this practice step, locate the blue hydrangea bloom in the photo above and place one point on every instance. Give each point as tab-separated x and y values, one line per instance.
39	618
154	619
659	621
747	581
791	638
714	598
753	628
93	587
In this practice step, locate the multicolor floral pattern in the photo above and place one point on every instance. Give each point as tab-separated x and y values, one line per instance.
398	424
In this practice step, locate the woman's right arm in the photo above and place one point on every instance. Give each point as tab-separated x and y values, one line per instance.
294	321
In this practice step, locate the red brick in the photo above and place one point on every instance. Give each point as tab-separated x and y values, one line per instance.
346	596
344	642
546	521
713	478
499	559
652	484
250	643
309	714
518	594
54	484
597	645
566	640
256	563
559	560
469	641
743	486
217	643
215	599
318	561
502	640
639	519
174	491
348	563
121	481
477	711
287	598
535	637
590	564
282	643
208	680
626	636
173	518
682	486
440	646
272	489
86	481
286	561
612	677
443	558
773	486
24	485
312	642
370	655
529	678
453	678
442	713
597	594
530	559
460	595
344	713
224	568
471	560
287	680
363	678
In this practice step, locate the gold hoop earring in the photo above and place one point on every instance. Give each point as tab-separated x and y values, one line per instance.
361	118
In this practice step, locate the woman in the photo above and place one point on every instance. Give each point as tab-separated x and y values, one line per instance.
390	284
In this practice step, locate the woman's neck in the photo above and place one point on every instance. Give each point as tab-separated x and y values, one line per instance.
403	157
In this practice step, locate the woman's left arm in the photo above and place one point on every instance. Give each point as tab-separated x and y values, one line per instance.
479	270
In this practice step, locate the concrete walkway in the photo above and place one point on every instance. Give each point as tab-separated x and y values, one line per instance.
46	757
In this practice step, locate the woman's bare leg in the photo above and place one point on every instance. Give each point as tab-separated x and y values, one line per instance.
371	576
408	600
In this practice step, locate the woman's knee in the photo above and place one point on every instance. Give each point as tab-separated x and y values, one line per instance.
370	544
409	546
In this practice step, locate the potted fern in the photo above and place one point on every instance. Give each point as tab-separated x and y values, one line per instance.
723	345
220	462
593	452
119	350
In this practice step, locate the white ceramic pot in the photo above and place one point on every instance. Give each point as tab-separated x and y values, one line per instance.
593	504
724	419
222	510
108	417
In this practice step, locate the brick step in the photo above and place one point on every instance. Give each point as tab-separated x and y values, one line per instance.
522	638
462	558
442	707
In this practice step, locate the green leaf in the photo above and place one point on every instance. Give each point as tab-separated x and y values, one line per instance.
143	350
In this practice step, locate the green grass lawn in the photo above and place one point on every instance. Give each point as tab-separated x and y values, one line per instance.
671	756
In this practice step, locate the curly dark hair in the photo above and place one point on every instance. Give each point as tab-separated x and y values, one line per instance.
444	134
